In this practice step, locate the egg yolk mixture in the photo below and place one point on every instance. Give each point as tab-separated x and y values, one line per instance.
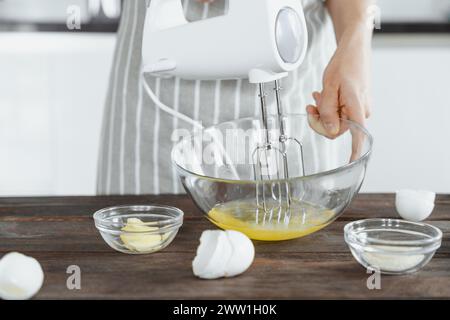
246	217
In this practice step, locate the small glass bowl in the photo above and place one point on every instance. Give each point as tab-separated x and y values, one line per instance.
138	229
392	246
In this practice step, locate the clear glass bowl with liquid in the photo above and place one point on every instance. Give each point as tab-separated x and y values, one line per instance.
392	246
216	167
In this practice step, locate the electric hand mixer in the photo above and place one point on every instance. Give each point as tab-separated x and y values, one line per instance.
256	39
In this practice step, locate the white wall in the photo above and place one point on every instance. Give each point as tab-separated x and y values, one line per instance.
411	116
414	10
52	90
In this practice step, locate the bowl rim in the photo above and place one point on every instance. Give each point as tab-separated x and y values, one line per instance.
428	244
307	177
172	222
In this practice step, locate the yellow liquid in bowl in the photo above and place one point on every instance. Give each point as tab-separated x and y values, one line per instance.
246	217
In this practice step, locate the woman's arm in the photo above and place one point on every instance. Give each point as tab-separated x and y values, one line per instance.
346	81
348	15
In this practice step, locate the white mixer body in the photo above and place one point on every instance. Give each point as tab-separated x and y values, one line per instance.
257	39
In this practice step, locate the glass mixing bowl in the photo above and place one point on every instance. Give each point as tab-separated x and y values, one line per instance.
217	168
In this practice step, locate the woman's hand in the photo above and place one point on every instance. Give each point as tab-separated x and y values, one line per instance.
346	80
346	86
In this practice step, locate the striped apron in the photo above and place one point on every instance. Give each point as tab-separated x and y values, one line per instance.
136	139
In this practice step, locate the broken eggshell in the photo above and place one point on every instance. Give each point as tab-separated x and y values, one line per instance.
213	250
21	277
222	254
243	253
414	205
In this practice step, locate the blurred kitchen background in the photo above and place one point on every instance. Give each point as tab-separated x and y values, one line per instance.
53	84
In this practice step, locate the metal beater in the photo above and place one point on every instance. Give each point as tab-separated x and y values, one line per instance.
266	164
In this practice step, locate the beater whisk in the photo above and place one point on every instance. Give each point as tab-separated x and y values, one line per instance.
271	165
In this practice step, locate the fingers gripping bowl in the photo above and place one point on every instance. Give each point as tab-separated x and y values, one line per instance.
216	167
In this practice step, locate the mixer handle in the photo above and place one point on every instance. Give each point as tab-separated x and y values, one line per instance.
165	14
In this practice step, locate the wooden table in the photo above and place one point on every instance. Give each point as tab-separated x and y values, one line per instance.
60	232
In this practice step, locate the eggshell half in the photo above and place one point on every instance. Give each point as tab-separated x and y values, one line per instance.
213	253
414	205
243	253
21	277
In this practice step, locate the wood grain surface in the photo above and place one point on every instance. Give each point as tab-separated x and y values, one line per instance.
60	231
